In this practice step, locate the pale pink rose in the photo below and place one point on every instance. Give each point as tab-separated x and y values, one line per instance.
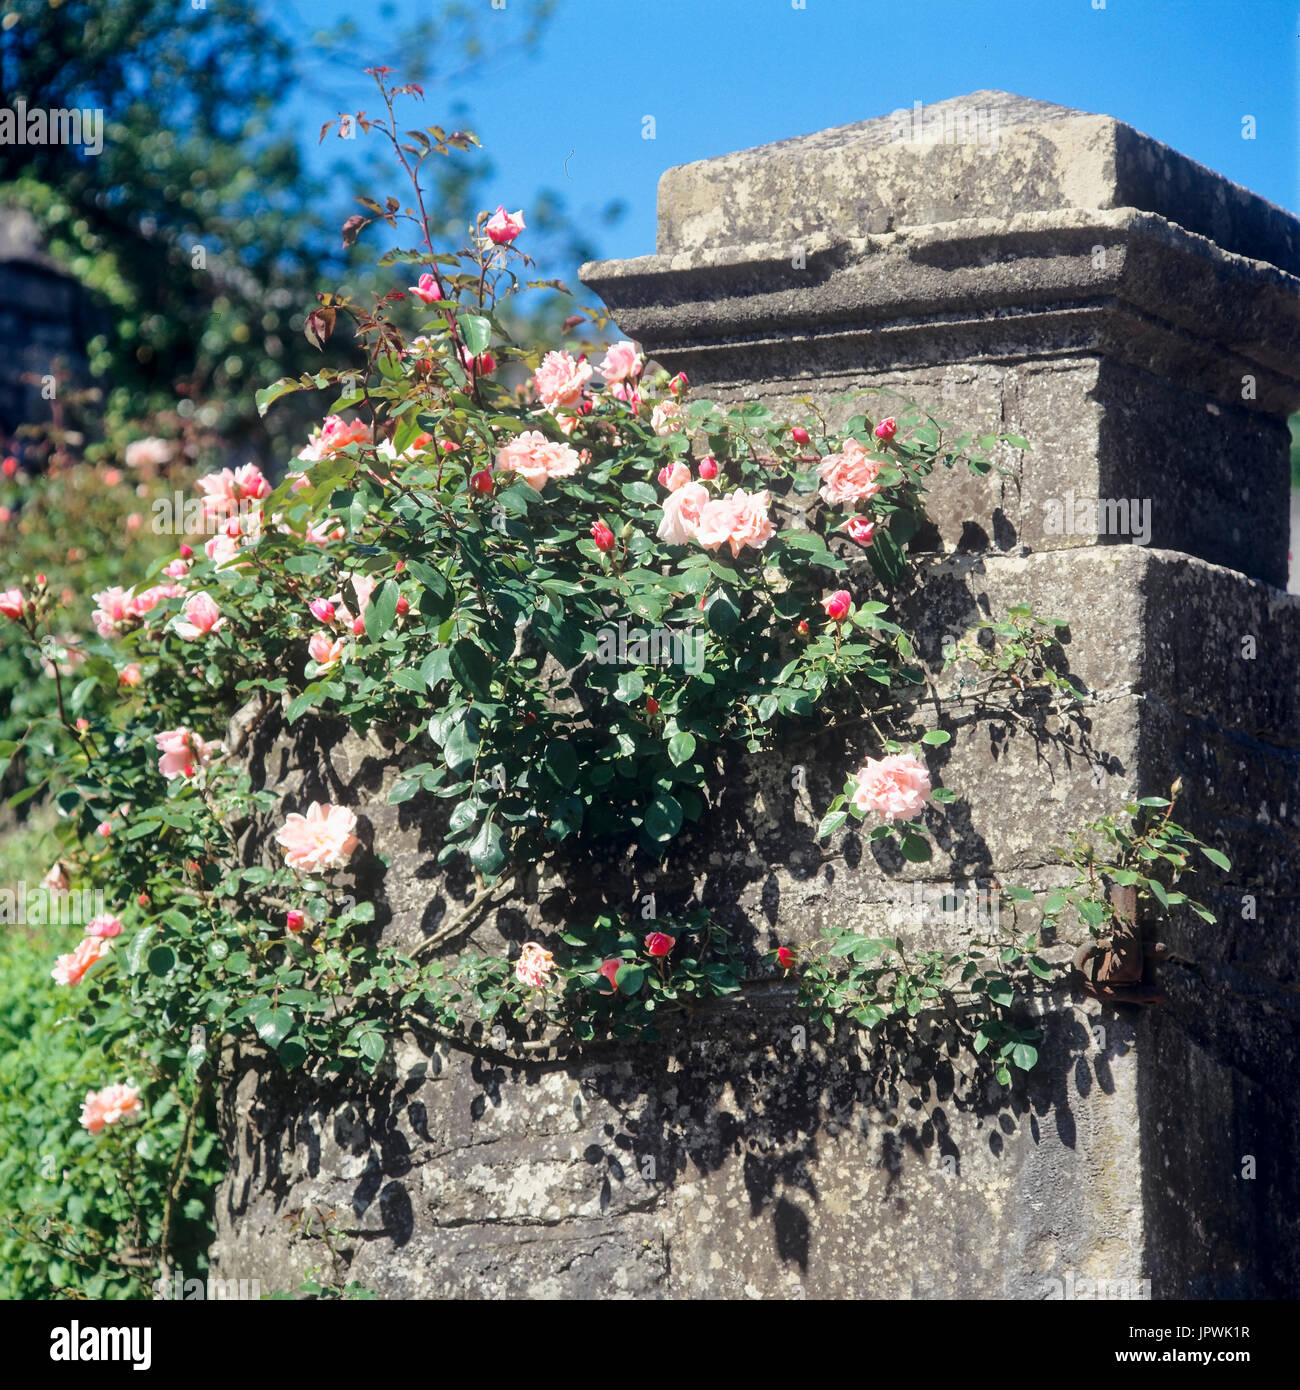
11	604
503	227
112	476
143	603
104	926
148	453
674	475
895	788
115	613
221	550
322	609
131	674
665	418
184	751
199	617
717	521
682	511
364	585
750	524
560	379
177	569
324	652
56	878
536	459
334	435
850	475
109	1107
622	362
534	965
322	839
69	969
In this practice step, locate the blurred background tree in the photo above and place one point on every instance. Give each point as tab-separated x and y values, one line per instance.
198	229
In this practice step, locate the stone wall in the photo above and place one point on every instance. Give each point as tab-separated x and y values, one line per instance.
1135	317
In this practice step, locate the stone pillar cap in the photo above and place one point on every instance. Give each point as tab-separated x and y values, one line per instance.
989	154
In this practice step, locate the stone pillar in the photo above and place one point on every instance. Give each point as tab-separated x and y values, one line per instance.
1043	272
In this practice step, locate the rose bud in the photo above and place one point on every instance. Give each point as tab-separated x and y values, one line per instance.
143	900
659	943
802	628
449	446
403	605
838	605
603	536
679	383
481	481
886	429
799	435
294	920
860	529
708	468
10	466
187	552
358	626
610	971
785	957
322	610
651	705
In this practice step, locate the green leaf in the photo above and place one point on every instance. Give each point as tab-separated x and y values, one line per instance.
1024	1056
830	824
461	747
1216	858
936	736
630	978
663	818
562	760
373	1046
476	331
162	960
381	610
471	668
681	747
915	848
273	1025
487	850
630	687
722	615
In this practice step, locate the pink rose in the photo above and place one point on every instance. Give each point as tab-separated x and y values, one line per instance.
56	878
536	459
147	453
324	652
503	227
839	605
666	418
659	943
715	524
533	966
104	926
183	751
622	362
708	468
294	920
560	379
109	1107
860	529
199	617
322	839
116	611
322	610
602	535
11	605
682	512
750	526
428	289
333	436
69	969
674	475
850	475
895	788
886	429
131	674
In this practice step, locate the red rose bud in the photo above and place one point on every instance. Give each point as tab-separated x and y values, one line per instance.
839	605
485	364
403	605
799	435
784	957
651	705
860	529
802	628
679	383
887	429
603	536
187	553
294	920
449	446
610	971
143	900
659	943
481	481
708	468
10	466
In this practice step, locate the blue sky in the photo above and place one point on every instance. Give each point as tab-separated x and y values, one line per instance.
720	75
